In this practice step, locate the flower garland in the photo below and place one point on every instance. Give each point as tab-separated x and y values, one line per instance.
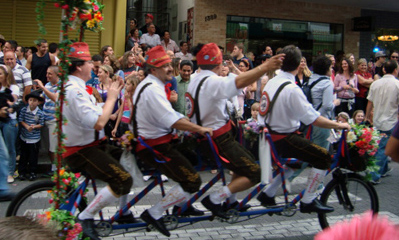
64	222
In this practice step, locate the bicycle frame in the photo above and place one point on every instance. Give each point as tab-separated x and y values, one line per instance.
76	197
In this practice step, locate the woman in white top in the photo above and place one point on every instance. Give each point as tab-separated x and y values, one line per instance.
10	127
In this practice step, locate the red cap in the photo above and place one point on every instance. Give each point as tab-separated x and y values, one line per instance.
149	15
157	57
80	50
209	54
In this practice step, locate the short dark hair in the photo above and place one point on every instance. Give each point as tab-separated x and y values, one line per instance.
96	58
40	41
390	66
75	62
292	58
52	47
182	42
166	31
321	65
22	48
186	63
13	44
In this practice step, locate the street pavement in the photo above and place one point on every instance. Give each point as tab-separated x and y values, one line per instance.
300	226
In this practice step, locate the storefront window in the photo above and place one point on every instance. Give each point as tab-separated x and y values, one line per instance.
312	38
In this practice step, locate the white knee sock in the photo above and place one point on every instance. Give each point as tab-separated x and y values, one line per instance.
186	198
219	196
102	199
271	190
316	176
175	196
123	202
233	198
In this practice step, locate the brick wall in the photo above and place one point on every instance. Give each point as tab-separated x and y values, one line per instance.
215	30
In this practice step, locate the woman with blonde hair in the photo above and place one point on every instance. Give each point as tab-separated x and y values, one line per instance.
303	74
365	79
9	129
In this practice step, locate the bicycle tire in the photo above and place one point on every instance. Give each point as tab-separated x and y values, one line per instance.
33	199
361	193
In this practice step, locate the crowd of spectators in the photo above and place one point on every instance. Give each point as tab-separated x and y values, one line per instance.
29	70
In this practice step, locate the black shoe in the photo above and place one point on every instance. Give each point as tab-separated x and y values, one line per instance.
315	206
158	224
265	200
32	177
216	209
48	174
23	177
89	229
190	211
7	197
234	205
126	219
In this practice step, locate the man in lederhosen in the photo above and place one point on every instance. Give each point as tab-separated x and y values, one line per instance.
289	109
211	99
153	121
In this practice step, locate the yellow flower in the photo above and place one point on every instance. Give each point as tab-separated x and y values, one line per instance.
62	171
90	23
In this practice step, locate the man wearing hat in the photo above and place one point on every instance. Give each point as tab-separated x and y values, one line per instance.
149	18
211	99
85	148
31	118
153	122
380	58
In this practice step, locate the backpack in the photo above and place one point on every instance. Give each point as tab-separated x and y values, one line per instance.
307	90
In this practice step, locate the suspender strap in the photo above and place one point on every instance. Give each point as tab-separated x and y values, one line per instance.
312	85
135	130
273	101
196	105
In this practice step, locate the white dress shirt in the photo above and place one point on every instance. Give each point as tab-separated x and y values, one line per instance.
154	113
291	106
384	94
150	40
213	96
81	112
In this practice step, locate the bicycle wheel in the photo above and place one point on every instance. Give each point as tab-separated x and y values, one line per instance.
34	199
362	197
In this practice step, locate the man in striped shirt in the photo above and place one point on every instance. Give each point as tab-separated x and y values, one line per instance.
51	94
21	74
32	119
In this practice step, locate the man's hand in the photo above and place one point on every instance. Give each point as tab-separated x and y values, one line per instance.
344	126
205	130
273	63
39	83
173	96
115	89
